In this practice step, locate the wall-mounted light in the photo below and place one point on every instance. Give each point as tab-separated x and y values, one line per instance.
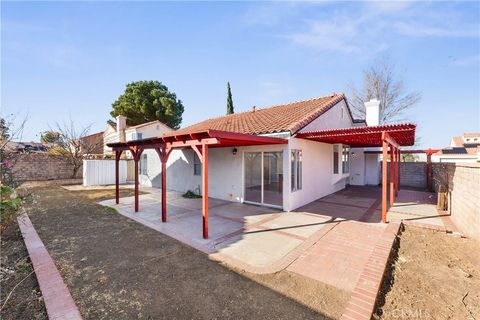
234	151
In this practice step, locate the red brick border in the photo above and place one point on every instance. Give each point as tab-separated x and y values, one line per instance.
58	301
362	302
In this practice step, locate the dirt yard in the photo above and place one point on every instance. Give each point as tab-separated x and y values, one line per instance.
117	268
435	276
17	279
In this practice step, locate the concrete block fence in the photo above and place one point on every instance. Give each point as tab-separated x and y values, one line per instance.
462	181
41	166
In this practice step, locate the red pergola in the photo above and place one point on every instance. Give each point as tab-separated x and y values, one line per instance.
200	142
386	136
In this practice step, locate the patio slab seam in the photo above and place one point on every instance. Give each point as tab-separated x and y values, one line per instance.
364	296
58	301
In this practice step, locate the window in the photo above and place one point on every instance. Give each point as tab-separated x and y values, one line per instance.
335	159
142	168
296	170
197	165
136	136
345	159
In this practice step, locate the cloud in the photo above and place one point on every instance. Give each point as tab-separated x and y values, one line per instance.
368	28
422	29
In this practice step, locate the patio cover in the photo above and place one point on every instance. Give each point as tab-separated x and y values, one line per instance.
200	142
403	134
389	136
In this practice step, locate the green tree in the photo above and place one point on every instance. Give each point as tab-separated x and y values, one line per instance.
229	100
51	137
145	101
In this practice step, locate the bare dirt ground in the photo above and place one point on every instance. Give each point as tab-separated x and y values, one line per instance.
20	296
434	276
116	268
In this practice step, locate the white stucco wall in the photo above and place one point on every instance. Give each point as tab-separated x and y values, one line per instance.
318	178
225	171
357	167
332	119
372	169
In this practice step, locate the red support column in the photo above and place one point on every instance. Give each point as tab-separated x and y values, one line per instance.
392	176
164	190
118	153
163	153
384	180
136	152
395	169
205	190
136	183
399	168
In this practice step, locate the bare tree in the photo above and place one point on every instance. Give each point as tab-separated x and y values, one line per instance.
379	82
10	130
75	144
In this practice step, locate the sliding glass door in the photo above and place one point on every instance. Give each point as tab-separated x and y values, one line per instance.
263	181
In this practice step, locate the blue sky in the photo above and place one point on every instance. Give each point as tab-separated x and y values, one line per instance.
63	60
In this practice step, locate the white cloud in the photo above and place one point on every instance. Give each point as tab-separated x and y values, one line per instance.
426	29
366	29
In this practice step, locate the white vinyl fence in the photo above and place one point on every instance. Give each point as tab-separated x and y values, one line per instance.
102	172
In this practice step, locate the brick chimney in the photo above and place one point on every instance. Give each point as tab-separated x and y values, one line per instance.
372	112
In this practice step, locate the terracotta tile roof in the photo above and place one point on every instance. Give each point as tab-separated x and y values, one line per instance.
472	135
278	118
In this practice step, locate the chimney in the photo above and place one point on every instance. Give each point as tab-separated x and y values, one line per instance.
372	112
121	126
254	109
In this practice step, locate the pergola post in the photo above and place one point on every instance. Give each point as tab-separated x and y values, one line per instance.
399	168
136	152
205	190
392	175
163	153
118	154
384	178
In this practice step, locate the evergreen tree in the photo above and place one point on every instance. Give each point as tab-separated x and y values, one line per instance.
229	100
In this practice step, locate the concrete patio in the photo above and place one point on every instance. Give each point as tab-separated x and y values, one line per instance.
329	240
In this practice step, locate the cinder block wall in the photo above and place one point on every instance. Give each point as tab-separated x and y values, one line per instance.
463	184
412	174
40	166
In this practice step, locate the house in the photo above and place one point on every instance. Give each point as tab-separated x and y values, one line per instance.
26	147
287	175
149	165
92	144
465	148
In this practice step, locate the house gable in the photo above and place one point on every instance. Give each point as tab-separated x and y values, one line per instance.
338	116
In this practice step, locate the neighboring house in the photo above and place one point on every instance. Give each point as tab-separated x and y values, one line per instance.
464	148
286	176
92	144
149	166
26	147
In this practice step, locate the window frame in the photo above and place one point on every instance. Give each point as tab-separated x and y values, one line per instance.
346	159
143	165
336	161
197	165
296	167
